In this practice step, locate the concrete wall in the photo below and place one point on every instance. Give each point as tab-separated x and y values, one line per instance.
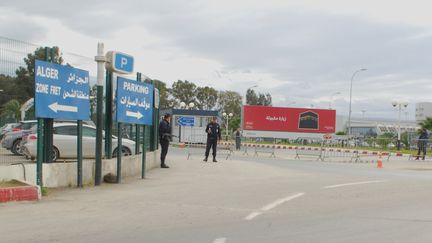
65	174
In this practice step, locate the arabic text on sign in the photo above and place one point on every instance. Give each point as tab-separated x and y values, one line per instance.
126	100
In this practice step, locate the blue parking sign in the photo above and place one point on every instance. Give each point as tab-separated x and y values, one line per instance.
61	91
134	102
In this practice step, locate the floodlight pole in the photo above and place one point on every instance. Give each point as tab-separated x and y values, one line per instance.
349	115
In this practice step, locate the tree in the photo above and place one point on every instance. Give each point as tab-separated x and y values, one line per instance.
234	123
230	101
7	86
264	99
405	140
183	91
24	82
163	94
12	110
385	139
206	98
253	98
427	123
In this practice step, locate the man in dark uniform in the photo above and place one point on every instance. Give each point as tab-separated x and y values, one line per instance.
164	138
422	143
213	135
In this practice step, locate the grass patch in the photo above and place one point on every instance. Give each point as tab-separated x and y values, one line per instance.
11	183
44	191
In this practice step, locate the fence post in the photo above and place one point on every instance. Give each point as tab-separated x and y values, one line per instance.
119	151
108	115
79	154
144	152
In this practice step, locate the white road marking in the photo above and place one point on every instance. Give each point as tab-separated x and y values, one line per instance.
220	240
253	215
280	201
351	184
272	205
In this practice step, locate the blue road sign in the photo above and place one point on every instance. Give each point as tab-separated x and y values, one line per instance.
134	102
120	62
186	121
61	92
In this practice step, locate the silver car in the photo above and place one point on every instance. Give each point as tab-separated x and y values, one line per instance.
65	142
7	128
12	140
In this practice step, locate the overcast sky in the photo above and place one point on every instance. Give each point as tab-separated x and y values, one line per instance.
299	51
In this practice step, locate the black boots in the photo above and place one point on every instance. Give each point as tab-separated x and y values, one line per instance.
206	159
163	165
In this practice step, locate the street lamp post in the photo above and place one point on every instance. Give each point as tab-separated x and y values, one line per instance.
349	114
227	117
331	99
399	106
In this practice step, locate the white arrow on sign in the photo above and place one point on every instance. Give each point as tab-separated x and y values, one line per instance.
56	107
137	114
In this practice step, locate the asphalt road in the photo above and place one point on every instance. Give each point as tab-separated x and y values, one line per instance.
246	199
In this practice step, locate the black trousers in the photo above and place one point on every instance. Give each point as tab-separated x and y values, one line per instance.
238	143
211	143
164	146
421	148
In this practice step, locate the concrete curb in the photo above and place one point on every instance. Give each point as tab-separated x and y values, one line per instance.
20	193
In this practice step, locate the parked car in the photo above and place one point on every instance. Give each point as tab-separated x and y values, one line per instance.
65	142
12	140
7	128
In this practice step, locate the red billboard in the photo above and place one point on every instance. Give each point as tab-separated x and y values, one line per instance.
267	118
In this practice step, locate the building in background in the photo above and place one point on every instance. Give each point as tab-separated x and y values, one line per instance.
188	126
372	127
423	110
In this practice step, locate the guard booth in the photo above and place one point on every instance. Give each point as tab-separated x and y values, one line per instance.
189	125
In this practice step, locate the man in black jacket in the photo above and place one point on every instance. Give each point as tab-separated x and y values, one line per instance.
213	135
164	138
422	143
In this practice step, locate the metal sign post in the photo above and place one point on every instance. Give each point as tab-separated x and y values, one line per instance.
143	158
137	126
40	151
60	92
79	154
119	151
108	115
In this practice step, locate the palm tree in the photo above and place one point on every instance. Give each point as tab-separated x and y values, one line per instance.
426	123
11	109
